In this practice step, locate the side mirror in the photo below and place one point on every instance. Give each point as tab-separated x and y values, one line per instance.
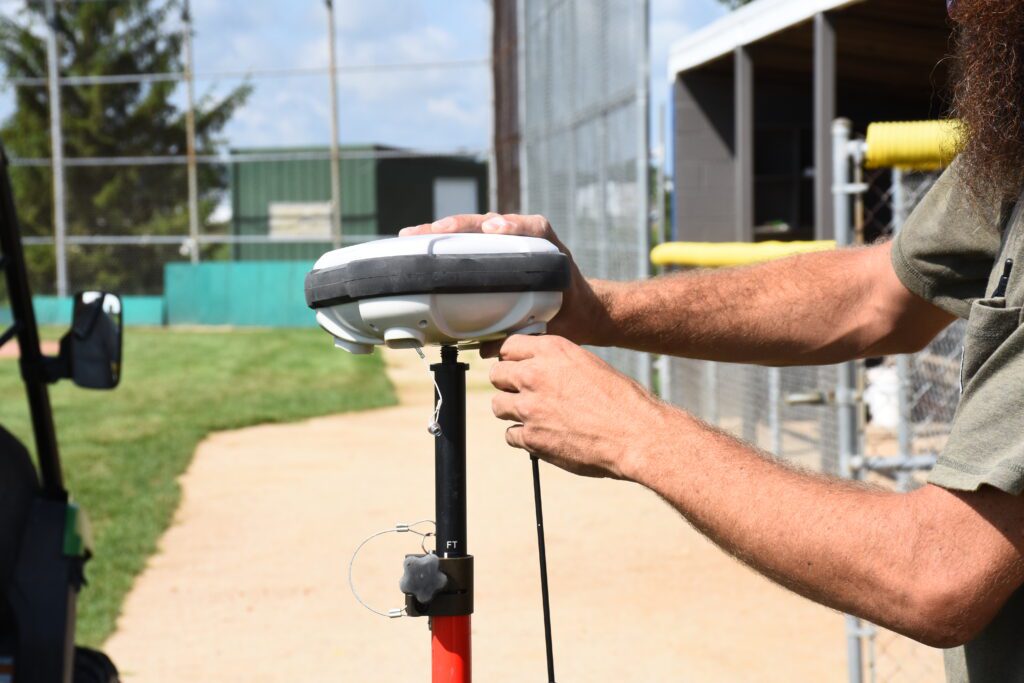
91	350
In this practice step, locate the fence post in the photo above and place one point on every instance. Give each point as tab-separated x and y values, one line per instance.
664	362
336	198
904	365
710	407
190	136
56	149
774	409
846	404
643	167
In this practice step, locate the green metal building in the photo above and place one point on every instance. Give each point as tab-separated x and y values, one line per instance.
288	199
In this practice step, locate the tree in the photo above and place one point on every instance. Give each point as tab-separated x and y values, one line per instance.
733	4
129	119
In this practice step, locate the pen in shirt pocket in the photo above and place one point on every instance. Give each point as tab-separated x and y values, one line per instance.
1000	290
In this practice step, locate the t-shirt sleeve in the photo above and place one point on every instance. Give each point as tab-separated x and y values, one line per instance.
946	249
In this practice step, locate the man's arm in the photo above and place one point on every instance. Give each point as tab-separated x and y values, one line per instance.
933	565
811	309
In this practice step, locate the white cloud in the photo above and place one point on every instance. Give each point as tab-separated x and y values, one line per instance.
451	110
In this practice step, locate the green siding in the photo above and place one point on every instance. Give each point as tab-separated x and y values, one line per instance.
254	185
251	293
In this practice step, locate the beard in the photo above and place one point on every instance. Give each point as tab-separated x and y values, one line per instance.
988	95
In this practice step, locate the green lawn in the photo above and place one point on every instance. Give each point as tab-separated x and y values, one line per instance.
124	449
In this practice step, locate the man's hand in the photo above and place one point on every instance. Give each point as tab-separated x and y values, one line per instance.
571	408
583	317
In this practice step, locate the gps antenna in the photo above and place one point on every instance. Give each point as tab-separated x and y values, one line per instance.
542	553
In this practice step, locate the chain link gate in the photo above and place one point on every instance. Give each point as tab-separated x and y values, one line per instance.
906	403
584	122
927	388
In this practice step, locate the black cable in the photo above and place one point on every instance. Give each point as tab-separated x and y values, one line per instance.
542	553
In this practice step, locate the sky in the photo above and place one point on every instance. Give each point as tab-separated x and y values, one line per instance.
431	109
438	108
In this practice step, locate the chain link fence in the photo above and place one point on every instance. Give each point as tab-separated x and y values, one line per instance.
584	146
780	410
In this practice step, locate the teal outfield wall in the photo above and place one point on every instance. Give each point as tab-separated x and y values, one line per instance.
55	310
241	293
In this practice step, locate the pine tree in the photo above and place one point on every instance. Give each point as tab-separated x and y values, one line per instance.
130	119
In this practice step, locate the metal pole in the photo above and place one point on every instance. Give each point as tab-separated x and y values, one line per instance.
524	140
824	113
711	392
664	361
56	149
335	150
775	408
190	137
492	152
743	77
659	194
451	645
904	366
643	170
846	406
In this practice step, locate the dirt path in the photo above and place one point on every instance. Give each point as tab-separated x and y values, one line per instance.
249	582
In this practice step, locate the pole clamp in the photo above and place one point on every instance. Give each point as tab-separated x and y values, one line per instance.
448	583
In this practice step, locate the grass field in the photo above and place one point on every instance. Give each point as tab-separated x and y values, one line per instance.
123	450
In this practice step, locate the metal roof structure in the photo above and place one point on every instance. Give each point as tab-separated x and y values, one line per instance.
743	26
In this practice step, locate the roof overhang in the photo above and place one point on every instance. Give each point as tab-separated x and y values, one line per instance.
743	26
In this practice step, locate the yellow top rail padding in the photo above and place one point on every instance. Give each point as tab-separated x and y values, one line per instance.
912	145
723	254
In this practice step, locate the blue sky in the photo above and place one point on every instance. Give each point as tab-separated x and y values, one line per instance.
440	108
430	109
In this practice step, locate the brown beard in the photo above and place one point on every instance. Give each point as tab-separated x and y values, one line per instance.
988	95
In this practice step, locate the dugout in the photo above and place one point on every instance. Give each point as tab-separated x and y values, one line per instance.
755	94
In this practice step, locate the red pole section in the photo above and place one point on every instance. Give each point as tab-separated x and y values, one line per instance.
451	650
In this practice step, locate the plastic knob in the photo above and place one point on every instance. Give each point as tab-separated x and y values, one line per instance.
423	578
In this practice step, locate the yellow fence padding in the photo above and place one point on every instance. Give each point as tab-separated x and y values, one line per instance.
912	145
723	254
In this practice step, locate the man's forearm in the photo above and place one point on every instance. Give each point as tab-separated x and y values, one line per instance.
811	309
864	551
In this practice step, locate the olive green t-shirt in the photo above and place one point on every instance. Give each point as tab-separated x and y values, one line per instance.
953	251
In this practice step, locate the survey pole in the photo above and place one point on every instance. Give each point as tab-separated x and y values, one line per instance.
451	647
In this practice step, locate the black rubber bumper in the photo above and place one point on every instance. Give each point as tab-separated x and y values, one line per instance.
436	274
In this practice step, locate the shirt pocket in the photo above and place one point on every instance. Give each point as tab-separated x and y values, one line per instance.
991	323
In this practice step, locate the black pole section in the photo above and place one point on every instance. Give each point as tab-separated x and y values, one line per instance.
543	554
28	340
450	455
